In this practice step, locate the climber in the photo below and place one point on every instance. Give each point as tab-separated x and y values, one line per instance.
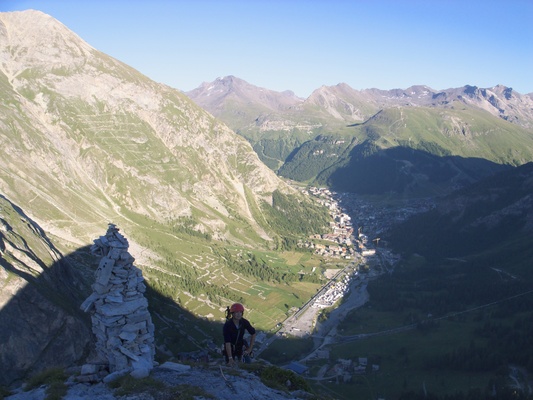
235	346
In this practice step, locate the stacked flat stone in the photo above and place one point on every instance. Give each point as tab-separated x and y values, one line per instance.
119	311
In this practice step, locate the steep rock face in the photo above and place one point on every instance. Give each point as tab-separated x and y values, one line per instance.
39	325
500	101
341	102
84	135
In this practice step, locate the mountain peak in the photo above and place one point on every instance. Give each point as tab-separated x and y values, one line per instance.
212	95
77	98
228	79
38	40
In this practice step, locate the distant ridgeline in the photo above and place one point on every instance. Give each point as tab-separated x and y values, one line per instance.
412	142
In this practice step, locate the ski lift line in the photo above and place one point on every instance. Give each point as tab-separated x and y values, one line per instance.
344	339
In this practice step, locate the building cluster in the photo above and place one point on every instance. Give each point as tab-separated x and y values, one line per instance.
334	293
341	228
119	312
344	369
345	242
349	242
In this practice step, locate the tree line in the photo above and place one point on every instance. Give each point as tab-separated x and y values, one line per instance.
250	265
293	219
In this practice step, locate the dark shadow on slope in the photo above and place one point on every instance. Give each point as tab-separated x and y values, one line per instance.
493	213
404	171
41	324
40	320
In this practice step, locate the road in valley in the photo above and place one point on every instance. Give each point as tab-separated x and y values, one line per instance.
304	324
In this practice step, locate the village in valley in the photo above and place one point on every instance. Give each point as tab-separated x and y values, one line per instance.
356	224
361	256
356	227
349	241
341	229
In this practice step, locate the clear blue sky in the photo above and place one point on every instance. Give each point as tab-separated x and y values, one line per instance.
300	45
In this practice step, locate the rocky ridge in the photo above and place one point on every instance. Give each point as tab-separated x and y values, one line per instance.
40	324
214	94
343	103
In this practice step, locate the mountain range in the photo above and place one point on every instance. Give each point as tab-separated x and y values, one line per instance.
235	100
196	183
418	140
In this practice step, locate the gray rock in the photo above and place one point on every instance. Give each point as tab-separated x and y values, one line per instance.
216	381
175	367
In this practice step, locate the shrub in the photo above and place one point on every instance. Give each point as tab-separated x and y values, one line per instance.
128	385
54	379
277	378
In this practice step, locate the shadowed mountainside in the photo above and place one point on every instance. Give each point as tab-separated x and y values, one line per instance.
483	217
41	323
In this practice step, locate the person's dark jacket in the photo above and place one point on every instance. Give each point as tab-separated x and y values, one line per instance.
235	335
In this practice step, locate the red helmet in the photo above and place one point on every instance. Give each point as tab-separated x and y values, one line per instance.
236	307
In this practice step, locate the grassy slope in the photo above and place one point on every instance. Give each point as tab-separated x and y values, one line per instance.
467	135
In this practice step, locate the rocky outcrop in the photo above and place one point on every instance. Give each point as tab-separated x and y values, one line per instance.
119	312
177	379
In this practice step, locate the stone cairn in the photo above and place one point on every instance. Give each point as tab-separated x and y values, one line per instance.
119	313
